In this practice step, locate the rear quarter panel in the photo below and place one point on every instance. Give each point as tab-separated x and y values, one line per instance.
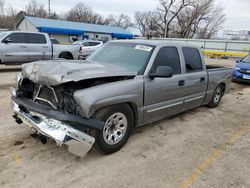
218	76
72	48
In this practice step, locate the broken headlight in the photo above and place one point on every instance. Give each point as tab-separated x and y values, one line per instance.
19	78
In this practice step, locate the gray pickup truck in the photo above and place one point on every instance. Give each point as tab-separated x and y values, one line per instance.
123	85
18	47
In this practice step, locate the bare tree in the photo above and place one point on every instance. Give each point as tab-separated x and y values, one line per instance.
83	13
54	16
210	26
2	5
123	21
144	22
7	16
167	11
202	20
182	18
12	11
34	8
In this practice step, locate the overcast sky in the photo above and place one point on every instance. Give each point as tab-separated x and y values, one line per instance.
237	11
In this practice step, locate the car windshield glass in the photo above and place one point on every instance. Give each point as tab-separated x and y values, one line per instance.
246	59
131	56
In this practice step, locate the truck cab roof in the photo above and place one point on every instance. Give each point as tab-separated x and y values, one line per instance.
157	43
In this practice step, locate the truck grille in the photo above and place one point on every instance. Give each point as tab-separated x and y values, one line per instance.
45	95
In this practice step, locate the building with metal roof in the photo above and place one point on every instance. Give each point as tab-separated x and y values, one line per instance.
67	31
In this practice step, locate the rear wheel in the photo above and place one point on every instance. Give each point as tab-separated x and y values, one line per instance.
66	56
218	93
116	131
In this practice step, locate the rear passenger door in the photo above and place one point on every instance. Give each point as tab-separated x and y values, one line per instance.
16	50
195	78
164	97
39	48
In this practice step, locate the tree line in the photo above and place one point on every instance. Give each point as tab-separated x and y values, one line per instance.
171	18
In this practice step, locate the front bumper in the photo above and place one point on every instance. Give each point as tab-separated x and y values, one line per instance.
83	57
238	76
64	133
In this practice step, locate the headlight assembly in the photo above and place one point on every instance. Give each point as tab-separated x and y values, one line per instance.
19	78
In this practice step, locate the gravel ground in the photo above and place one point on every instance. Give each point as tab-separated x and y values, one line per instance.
199	148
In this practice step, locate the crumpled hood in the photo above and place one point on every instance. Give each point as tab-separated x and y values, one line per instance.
55	72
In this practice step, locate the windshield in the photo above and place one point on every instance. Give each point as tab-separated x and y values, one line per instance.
131	56
246	59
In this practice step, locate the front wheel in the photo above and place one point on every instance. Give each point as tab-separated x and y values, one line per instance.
119	121
215	101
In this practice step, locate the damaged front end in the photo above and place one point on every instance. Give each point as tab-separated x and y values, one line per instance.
51	112
78	142
44	100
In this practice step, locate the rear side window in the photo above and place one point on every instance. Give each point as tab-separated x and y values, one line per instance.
85	44
168	56
192	59
93	43
17	38
36	38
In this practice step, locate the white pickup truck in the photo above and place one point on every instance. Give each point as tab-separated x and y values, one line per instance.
18	47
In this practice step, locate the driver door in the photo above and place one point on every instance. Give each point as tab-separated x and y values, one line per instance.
164	96
15	51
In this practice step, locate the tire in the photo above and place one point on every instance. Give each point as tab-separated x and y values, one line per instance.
115	134
218	93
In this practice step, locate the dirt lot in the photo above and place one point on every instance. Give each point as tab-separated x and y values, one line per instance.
199	148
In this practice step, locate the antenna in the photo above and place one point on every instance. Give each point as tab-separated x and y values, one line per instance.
49	7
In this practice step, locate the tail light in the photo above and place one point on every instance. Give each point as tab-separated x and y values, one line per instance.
81	48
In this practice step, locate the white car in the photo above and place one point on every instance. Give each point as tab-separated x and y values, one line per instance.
88	46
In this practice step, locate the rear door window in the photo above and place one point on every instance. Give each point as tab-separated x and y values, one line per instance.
93	43
85	44
192	59
36	38
168	56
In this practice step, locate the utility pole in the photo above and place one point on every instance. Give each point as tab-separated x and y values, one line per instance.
49	7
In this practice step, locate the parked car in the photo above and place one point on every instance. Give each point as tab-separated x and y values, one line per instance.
21	47
123	85
89	46
54	41
242	70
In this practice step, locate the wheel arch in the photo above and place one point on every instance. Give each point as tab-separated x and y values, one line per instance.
65	53
223	85
134	109
131	105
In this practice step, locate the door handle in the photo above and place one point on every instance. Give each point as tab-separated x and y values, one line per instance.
23	46
181	83
202	79
45	47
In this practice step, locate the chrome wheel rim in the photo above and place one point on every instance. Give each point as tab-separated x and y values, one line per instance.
217	95
115	128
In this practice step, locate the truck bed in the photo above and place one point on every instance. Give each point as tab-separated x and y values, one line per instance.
212	68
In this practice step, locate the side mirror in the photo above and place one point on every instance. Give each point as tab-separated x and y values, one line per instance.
162	72
238	61
7	40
